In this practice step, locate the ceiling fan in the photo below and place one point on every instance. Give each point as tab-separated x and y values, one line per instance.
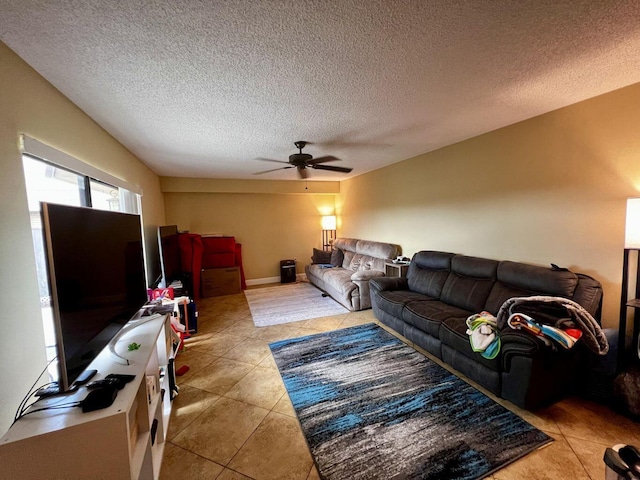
302	161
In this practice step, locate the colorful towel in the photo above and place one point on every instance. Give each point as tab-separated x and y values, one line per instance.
483	334
565	338
569	314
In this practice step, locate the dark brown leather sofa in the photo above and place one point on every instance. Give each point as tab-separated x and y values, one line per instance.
430	307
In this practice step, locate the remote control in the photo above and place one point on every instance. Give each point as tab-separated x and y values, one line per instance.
85	376
106	382
122	376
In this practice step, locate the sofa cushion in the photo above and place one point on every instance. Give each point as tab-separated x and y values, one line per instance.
377	249
337	257
365	262
469	283
364	275
428	314
588	293
347	257
502	292
346	244
316	271
428	272
339	279
561	283
520	279
320	257
393	301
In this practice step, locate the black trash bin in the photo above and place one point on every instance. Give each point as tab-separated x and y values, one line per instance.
287	271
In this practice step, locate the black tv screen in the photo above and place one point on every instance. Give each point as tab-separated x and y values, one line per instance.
96	273
169	253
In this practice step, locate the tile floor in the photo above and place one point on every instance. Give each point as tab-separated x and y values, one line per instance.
233	419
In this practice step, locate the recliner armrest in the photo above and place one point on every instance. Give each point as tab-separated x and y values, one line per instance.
515	344
389	283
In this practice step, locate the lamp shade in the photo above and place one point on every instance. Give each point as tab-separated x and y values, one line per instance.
632	229
329	222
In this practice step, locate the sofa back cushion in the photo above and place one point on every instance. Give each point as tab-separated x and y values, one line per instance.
361	262
520	279
348	247
428	271
470	282
383	251
337	257
346	258
345	244
588	293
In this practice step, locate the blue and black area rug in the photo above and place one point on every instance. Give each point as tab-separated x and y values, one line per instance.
372	407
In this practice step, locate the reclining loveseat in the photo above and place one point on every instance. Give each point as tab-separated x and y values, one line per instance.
356	262
431	305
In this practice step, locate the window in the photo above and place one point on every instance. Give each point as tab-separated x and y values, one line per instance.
48	181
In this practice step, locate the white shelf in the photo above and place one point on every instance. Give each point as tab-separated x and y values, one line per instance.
110	443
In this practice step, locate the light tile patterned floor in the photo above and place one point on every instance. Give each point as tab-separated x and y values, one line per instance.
233	419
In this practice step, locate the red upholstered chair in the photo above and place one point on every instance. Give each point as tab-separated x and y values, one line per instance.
191	259
197	252
218	252
222	252
243	282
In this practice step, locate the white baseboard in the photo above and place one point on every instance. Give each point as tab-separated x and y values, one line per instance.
262	281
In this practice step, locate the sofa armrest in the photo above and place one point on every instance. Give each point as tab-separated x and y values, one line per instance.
361	279
365	275
389	283
535	375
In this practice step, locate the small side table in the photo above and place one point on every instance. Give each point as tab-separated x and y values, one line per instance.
396	269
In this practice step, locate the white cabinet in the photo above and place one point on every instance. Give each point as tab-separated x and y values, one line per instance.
112	443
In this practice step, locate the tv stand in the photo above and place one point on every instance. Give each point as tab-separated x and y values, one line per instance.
123	441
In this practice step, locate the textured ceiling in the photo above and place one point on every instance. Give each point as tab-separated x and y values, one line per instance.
202	88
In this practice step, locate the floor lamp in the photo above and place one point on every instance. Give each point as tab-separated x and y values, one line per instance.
631	253
328	231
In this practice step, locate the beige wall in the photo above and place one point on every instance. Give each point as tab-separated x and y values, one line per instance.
548	190
270	226
30	105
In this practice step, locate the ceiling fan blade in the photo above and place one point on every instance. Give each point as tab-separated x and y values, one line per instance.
270	160
326	158
302	173
272	170
332	169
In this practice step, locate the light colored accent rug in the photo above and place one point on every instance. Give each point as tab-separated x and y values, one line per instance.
288	303
371	407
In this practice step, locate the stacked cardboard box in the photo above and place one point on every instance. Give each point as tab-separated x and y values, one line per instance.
220	281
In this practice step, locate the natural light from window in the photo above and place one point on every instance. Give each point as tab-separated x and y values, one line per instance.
46	182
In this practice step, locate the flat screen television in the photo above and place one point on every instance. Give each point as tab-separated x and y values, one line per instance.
169	253
95	264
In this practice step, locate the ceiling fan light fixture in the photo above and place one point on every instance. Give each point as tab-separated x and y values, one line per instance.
303	160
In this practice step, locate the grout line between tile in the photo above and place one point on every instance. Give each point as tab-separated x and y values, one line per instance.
199	415
198	455
578	458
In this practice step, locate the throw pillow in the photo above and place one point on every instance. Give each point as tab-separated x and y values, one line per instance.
320	256
337	256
